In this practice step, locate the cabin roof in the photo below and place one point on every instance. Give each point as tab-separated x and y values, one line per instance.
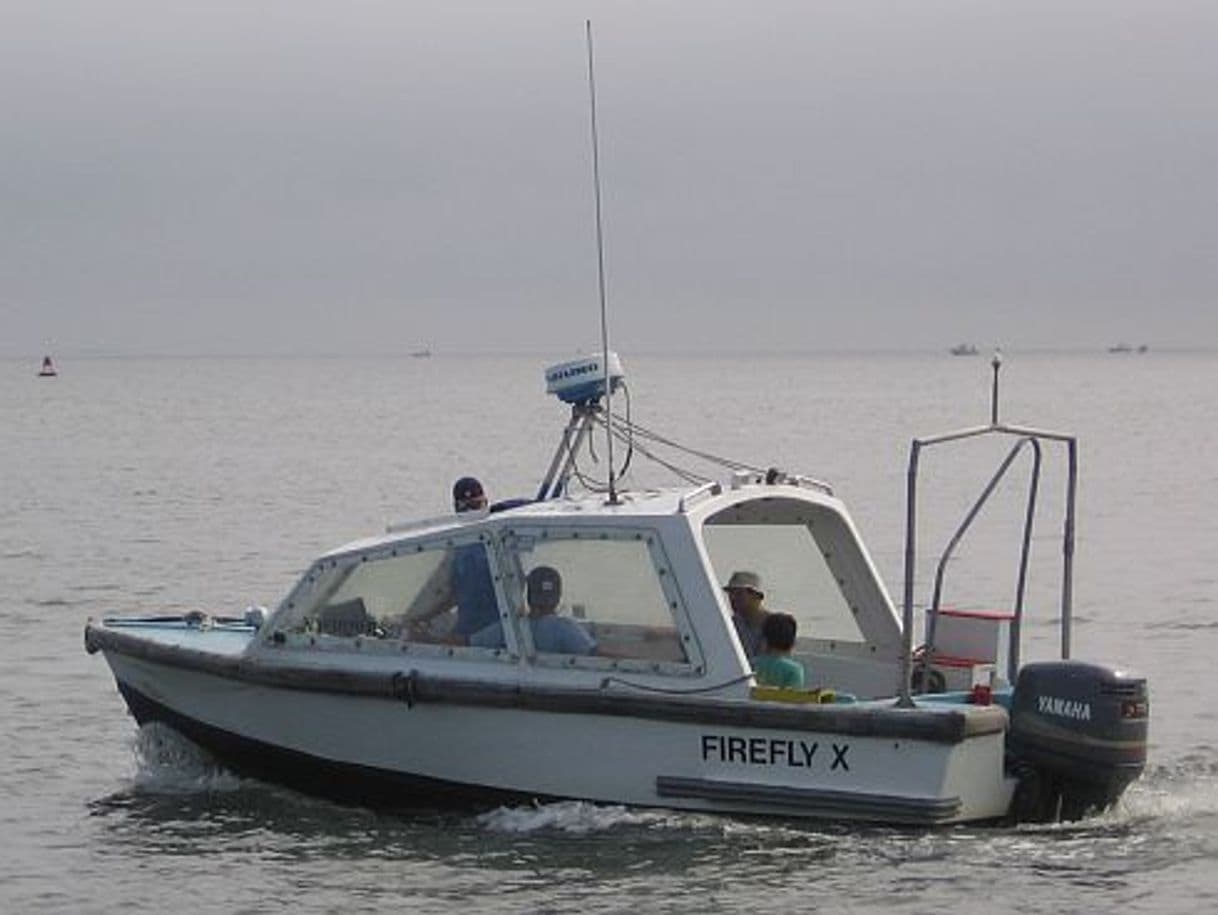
633	505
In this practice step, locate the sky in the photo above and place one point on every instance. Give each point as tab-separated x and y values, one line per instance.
381	176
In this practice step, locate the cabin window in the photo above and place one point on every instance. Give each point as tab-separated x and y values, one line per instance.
617	601
437	594
794	571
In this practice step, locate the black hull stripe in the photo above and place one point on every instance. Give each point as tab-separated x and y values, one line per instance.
949	727
347	783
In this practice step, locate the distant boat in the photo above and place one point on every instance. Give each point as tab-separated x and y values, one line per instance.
963	349
48	368
421	354
1126	348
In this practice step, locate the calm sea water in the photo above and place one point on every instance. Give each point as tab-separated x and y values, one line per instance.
151	485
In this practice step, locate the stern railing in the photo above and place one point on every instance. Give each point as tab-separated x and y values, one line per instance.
1026	438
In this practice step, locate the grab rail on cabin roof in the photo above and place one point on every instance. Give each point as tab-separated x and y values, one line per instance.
711	488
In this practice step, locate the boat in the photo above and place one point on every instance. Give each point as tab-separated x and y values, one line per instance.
48	369
421	354
963	349
358	687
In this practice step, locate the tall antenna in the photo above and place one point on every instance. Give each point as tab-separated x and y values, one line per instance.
600	268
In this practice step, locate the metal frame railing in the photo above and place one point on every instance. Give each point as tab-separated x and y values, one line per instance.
1026	437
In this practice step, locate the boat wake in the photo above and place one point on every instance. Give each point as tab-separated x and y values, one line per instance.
168	763
1168	797
572	817
1184	790
579	818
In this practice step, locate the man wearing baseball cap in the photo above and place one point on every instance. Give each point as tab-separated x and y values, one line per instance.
468	495
463	581
471	572
552	634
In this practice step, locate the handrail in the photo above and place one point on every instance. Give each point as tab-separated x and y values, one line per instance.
710	488
940	571
1026	434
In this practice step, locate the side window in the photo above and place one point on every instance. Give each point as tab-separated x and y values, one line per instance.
796	576
432	595
611	597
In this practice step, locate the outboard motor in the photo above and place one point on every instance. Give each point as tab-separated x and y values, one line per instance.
1077	738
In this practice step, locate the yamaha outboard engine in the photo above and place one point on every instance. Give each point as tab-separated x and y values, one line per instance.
1077	738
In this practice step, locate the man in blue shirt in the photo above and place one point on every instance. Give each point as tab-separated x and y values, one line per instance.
552	634
471	571
464	580
474	590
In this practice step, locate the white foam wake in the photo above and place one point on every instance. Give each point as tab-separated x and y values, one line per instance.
571	817
1172	795
168	763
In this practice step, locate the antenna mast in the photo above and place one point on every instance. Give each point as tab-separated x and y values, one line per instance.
600	268
995	364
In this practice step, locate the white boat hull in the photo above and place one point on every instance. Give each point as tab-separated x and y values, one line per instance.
419	753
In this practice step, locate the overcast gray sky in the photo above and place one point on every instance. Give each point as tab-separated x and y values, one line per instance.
281	176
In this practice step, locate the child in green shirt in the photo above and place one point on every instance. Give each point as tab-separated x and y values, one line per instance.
775	666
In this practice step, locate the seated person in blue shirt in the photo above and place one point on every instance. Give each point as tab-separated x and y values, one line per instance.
552	634
775	666
464	580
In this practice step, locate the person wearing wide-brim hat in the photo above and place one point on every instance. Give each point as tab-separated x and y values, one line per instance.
747	596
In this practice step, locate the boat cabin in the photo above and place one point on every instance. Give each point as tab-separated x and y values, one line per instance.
639	590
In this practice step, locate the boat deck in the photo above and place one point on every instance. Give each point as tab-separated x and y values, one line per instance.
225	638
